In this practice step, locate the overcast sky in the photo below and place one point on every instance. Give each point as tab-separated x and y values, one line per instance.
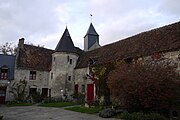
44	21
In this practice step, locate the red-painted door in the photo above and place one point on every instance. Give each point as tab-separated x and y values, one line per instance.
90	93
2	95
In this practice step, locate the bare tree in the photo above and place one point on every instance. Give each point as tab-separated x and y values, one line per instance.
8	49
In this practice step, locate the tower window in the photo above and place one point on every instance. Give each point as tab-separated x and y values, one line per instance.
51	75
70	61
32	75
54	59
69	78
68	58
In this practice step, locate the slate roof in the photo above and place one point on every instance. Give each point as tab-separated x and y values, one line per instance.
35	58
65	44
9	62
162	39
91	31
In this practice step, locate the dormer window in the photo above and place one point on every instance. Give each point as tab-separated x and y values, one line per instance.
4	74
128	60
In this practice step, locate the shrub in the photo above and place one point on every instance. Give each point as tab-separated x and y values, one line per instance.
141	116
107	113
144	87
19	90
36	96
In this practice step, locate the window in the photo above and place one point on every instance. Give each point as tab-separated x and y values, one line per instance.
32	75
51	76
70	61
4	73
54	59
69	78
128	60
49	92
68	58
83	88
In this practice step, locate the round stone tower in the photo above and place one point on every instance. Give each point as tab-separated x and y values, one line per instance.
63	63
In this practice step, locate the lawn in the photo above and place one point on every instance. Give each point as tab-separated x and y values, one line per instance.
19	104
58	104
91	110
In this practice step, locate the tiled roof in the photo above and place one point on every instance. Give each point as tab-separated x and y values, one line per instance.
35	58
165	38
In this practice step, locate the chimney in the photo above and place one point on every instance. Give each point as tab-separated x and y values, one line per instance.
21	43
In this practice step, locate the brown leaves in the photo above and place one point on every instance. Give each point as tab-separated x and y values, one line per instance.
144	85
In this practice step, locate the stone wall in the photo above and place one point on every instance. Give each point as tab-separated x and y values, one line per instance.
81	79
41	81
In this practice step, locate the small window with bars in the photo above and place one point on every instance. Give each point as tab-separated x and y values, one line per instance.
32	75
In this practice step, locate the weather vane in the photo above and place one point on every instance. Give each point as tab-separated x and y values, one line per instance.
91	17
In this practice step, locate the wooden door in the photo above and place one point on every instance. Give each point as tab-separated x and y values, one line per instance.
90	93
44	93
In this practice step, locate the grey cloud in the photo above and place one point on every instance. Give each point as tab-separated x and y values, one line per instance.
24	17
171	7
44	21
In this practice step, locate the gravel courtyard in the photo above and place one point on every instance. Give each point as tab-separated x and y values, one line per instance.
45	113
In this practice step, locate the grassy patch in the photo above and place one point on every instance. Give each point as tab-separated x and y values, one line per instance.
92	110
19	104
58	104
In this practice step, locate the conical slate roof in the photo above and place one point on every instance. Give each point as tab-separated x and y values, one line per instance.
91	30
65	44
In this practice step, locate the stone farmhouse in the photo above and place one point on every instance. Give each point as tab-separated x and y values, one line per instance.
62	72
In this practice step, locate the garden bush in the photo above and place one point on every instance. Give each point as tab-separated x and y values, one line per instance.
107	113
141	116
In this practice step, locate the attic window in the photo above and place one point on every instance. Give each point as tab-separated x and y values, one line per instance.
128	60
91	61
4	74
32	75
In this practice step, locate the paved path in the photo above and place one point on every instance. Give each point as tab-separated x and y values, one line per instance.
45	113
